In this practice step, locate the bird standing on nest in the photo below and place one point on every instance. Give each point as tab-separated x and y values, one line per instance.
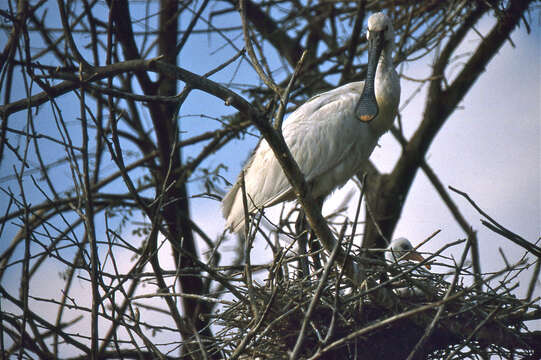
330	136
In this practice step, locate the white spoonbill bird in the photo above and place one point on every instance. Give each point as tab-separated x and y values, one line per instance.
420	283
330	136
401	249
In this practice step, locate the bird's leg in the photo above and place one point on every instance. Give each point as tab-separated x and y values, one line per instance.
313	243
306	236
301	234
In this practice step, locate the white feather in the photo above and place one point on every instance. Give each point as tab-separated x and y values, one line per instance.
326	139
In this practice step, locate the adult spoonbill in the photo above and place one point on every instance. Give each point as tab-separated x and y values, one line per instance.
330	136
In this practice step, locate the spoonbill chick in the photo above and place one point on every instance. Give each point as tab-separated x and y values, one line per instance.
401	249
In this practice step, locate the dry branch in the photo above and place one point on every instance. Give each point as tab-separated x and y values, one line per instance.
103	195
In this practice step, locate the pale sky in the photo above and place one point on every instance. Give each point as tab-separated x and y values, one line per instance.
490	148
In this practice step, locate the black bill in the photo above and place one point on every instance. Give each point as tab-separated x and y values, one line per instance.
367	107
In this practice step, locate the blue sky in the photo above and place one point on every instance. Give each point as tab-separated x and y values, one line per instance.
489	148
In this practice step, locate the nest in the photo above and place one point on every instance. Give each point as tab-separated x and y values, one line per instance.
395	313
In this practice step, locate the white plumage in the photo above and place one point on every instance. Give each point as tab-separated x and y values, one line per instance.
401	249
399	252
331	136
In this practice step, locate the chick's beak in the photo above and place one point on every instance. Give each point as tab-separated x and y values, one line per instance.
415	256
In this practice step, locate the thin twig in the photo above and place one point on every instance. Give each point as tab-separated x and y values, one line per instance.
315	298
496	227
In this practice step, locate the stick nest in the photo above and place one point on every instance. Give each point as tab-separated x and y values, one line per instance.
394	313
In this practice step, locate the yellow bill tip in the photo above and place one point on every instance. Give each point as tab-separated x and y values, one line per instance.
366	118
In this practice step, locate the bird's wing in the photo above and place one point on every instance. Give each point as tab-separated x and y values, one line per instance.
319	134
325	131
264	183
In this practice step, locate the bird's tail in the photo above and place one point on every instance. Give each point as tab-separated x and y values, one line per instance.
232	209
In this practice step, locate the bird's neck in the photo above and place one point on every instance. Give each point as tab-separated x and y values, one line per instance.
385	62
387	91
